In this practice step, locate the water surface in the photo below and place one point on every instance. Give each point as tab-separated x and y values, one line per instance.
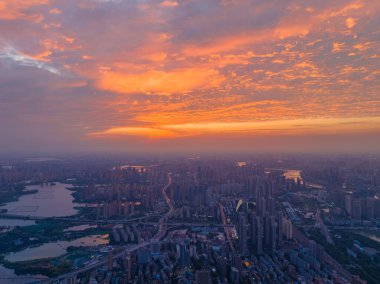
16	222
292	174
56	249
50	201
9	276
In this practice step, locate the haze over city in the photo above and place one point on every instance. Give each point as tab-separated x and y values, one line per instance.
189	141
112	75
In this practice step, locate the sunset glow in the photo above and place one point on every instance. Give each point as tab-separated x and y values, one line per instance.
139	72
299	126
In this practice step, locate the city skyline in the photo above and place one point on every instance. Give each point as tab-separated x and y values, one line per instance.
304	219
175	76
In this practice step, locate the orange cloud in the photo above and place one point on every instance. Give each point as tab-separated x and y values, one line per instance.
135	131
169	4
248	74
295	126
18	9
205	110
363	46
160	82
237	41
55	11
337	47
350	22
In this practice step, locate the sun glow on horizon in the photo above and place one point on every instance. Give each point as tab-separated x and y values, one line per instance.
156	70
288	127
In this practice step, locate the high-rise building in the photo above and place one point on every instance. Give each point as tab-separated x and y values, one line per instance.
357	209
71	280
143	256
271	205
110	260
155	247
369	208
203	277
235	275
267	230
192	250
319	253
261	206
184	256
313	248
242	233
348	203
288	229
258	235
280	229
273	234
128	264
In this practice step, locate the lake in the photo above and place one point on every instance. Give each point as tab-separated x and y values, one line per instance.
9	276
16	222
56	249
50	201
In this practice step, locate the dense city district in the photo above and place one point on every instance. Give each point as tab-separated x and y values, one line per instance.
261	219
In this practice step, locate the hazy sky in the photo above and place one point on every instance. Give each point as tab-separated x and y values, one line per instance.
183	75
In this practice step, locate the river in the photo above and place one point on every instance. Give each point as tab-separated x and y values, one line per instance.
292	174
296	174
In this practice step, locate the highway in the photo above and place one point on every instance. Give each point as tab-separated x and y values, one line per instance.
227	228
163	220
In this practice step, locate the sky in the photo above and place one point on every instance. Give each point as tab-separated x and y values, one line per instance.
189	75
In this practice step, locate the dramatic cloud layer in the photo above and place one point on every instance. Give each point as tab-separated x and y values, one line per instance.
136	75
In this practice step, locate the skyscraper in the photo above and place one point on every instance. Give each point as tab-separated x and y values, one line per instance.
110	260
273	234
258	237
203	277
242	233
348	203
280	228
357	209
129	267
184	257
